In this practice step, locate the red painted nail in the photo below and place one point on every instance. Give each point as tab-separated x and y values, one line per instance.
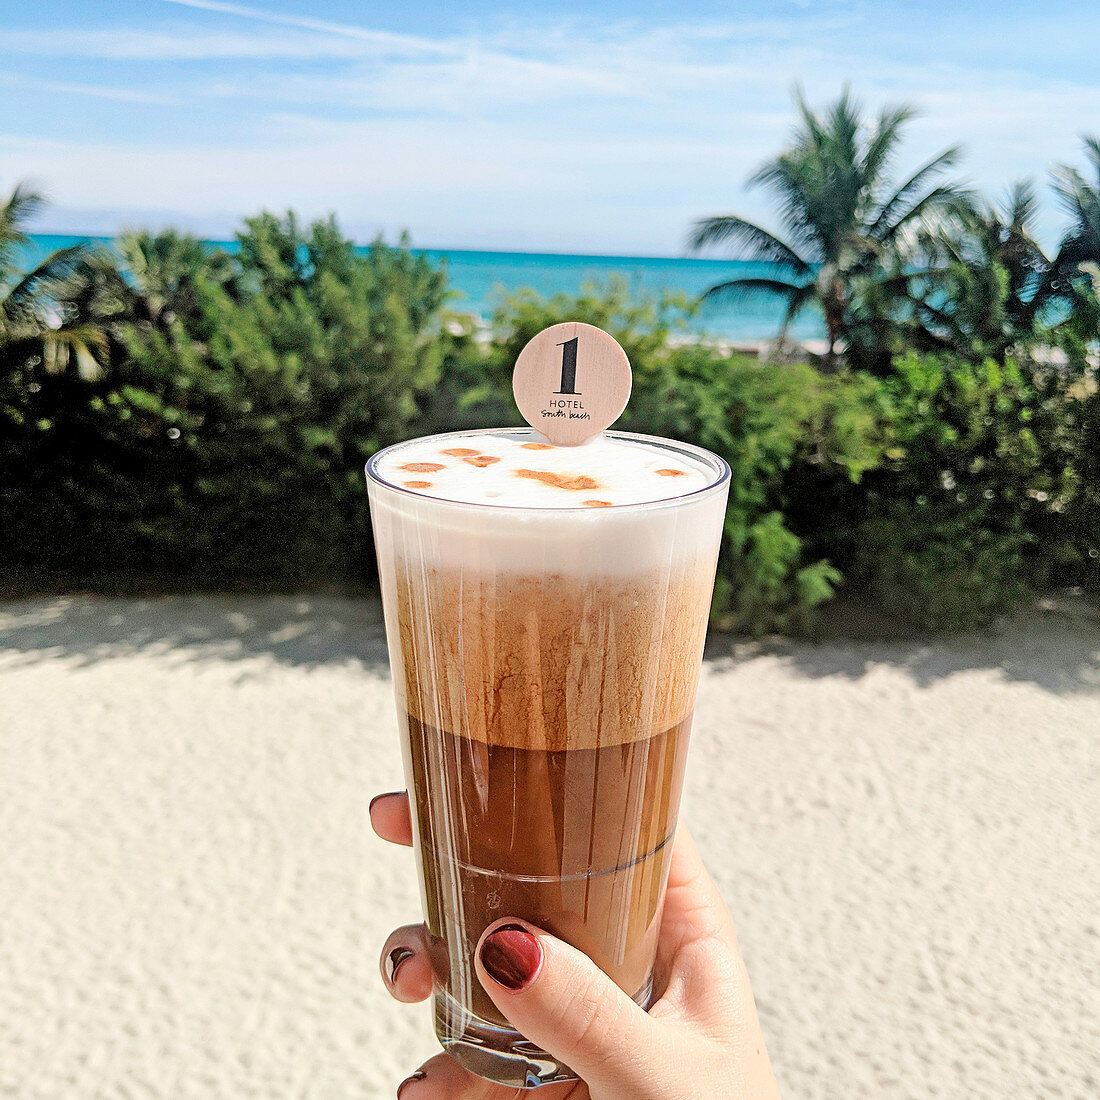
394	959
418	1076
511	956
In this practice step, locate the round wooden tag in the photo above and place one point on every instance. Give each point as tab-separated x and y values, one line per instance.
571	381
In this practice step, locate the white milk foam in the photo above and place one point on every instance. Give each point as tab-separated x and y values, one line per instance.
655	521
524	471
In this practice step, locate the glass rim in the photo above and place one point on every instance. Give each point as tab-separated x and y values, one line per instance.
717	464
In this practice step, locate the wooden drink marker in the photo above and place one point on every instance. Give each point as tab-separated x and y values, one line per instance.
571	382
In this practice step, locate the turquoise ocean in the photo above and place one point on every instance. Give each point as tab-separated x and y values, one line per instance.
481	279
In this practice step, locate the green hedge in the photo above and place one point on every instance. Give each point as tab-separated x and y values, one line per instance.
221	443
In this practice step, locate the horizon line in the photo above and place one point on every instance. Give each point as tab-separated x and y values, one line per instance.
107	237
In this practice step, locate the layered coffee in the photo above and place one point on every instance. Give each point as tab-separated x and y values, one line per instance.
545	609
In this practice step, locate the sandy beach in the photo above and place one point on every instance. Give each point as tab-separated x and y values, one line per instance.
192	901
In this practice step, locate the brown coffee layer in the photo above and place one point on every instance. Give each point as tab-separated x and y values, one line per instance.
551	662
576	842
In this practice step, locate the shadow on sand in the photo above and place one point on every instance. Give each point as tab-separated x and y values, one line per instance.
304	632
1054	646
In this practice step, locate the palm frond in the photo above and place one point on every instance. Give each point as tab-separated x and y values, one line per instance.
796	302
941	316
1081	200
796	182
938	198
83	343
22	205
1069	186
50	278
812	125
1092	151
735	231
893	211
1077	196
884	140
901	281
1021	205
843	124
797	295
751	287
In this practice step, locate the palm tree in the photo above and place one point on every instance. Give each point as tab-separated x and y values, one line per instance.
842	217
1080	198
38	315
986	278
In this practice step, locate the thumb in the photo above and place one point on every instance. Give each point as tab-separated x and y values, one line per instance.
562	1001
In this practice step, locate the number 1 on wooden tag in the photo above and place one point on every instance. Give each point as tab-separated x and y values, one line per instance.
571	382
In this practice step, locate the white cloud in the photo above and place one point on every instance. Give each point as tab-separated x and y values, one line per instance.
610	139
95	91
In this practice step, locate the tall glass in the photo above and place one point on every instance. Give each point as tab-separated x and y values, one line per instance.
545	662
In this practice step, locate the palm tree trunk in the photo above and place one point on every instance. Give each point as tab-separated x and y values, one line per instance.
834	324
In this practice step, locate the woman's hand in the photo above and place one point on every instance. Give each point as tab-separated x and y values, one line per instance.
701	1039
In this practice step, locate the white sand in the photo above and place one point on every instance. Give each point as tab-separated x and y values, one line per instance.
191	901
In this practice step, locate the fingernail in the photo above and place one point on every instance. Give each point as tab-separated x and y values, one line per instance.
511	956
370	808
394	959
418	1076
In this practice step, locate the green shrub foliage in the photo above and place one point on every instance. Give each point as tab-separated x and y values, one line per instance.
980	498
224	442
203	419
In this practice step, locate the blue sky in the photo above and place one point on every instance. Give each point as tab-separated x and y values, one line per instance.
553	126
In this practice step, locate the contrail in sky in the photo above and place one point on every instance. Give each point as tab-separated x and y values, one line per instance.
405	42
